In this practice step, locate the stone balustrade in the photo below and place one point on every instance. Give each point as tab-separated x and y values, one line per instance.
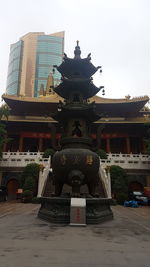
21	159
126	161
17	154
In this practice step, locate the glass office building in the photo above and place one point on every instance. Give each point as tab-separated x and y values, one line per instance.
14	68
48	53
31	61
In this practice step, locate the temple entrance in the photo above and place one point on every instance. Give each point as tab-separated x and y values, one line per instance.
118	145
12	187
31	144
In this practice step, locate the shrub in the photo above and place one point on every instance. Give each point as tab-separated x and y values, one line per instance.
30	177
119	183
101	153
27	196
4	112
147	140
48	152
30	184
121	197
27	193
31	169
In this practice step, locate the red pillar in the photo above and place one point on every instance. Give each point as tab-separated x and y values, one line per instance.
5	147
108	145
128	145
143	146
40	144
21	144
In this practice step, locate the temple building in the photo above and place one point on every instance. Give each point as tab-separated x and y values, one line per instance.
121	130
122	124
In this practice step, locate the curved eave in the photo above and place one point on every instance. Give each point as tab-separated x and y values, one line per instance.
70	66
43	106
122	109
87	89
100	100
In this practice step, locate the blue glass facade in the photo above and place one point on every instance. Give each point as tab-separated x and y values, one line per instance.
49	52
14	68
31	60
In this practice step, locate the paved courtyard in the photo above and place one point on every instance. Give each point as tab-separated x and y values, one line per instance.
26	241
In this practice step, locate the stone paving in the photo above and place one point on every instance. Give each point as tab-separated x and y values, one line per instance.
27	241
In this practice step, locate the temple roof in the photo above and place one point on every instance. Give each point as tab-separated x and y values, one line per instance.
44	106
80	86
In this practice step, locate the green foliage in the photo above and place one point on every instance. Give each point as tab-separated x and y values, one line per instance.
29	184
31	170
29	179
121	197
27	193
2	137
27	196
119	182
148	148
101	153
48	152
4	112
147	140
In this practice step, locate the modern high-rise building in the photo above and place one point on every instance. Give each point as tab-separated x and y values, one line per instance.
31	60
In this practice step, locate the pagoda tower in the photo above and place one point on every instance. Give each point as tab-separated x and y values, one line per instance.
78	164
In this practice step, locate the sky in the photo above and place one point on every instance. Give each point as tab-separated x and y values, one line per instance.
115	32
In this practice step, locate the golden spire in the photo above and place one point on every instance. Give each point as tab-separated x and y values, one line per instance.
50	85
42	92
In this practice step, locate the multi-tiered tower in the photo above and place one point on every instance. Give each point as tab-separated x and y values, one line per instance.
78	164
75	164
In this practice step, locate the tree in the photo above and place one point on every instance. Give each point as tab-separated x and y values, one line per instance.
2	137
147	140
30	177
30	184
119	182
4	112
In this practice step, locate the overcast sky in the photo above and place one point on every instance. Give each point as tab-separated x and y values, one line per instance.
116	32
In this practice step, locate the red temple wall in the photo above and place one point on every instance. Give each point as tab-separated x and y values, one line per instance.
110	142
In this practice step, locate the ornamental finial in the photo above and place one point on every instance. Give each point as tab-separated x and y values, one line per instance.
77	51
